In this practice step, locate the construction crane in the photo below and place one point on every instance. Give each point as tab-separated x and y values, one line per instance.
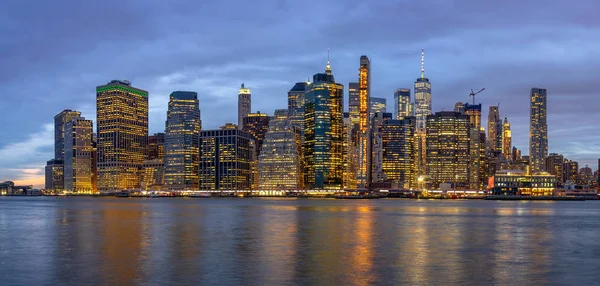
475	93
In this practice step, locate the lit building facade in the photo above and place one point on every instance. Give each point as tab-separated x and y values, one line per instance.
153	175
398	152
517	182
506	139
476	146
225	159
494	129
122	135
378	105
296	104
447	146
402	104
364	126
353	102
538	130
156	146
280	162
257	124
244	104
323	132
54	174
78	156
350	153
570	169
60	122
377	122
422	97
182	141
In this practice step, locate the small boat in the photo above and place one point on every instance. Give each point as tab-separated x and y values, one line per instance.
154	195
203	195
122	194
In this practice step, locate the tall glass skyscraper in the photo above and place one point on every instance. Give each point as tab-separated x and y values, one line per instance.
494	137
378	104
323	132
244	105
422	97
122	131
402	104
156	146
506	139
364	126
353	102
538	130
182	141
398	152
60	122
296	104
78	156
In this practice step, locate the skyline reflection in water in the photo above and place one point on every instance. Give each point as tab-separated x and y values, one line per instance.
120	241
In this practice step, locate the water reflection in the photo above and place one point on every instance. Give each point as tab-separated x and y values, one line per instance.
294	241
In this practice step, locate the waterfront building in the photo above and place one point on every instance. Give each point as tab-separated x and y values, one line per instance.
122	132
296	104
280	162
364	110
182	141
586	177
506	139
225	159
422	97
494	136
538	130
554	166
78	171
54	174
518	182
323	132
153	175
60	122
156	146
476	146
353	102
447	147
6	188
244	105
402	105
378	105
570	171
398	156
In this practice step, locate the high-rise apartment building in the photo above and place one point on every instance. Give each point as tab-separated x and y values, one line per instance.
78	156
422	97
353	102
296	104
225	159
402	105
378	105
244	105
448	140
122	134
156	146
60	122
494	136
182	141
54	174
538	130
364	126
323	132
280	162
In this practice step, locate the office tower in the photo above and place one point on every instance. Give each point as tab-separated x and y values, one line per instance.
94	163
364	111
570	169
156	146
323	132
378	104
257	124
476	147
353	102
506	139
422	97
54	173
538	130
448	148
350	153
122	131
398	152
377	122
244	105
60	121
554	165
494	129
402	103
280	162
153	175
182	141
225	159
78	156
296	104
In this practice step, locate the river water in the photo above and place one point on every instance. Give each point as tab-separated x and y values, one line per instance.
251	241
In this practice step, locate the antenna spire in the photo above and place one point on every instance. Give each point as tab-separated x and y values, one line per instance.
328	66
422	63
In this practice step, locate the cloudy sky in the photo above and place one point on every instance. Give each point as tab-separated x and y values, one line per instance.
54	53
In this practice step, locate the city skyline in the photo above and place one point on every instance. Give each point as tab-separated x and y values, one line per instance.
507	72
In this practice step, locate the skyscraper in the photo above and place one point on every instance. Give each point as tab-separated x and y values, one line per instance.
377	122
422	96
323	132
244	105
54	174
353	102
398	152
476	147
402	104
378	104
122	131
364	126
296	104
448	139
494	129
78	156
555	166
280	162
538	130
506	139
156	146
182	141
257	124
350	153
60	121
225	159
570	169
